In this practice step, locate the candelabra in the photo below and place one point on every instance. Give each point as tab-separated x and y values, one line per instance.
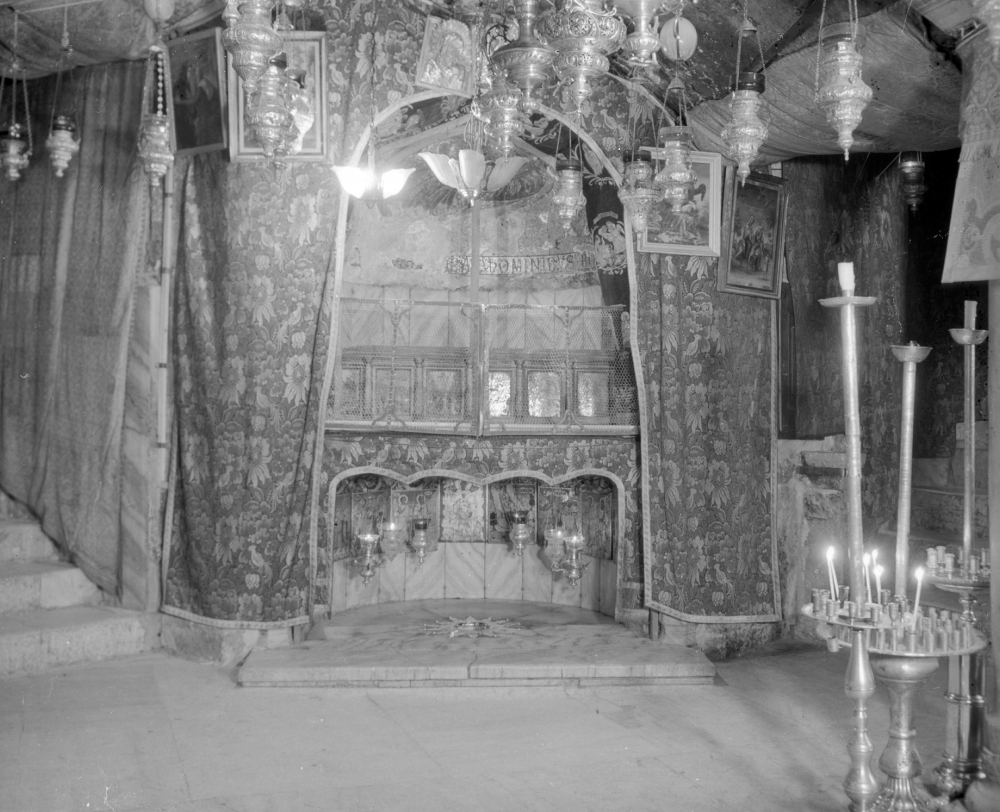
520	533
571	563
366	556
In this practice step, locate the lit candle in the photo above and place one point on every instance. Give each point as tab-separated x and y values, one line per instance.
875	564
831	573
845	273
866	561
878	582
916	603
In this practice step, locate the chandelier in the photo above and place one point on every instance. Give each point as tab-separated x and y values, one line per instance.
526	62
911	167
15	139
582	34
841	92
60	143
745	132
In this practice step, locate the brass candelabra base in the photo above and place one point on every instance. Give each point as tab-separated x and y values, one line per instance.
900	761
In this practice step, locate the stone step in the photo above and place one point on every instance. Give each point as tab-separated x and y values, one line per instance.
44	585
23	540
35	641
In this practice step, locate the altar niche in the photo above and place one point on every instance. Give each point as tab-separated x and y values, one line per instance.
469	552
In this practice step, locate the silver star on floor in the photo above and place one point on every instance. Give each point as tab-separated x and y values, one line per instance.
472	627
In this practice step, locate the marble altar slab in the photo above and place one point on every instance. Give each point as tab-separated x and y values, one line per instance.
590	584
609	587
503	573
392	580
536	577
425	581
464	570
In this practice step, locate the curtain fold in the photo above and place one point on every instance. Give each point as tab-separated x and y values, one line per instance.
67	277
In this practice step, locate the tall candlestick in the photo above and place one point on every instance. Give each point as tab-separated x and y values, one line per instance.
852	419
916	603
968	336
878	582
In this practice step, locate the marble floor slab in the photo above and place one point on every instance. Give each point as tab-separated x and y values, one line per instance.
417	644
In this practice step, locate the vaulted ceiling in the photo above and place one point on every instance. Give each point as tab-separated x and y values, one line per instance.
909	60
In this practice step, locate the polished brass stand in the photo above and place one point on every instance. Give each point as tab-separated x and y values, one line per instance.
900	761
860	784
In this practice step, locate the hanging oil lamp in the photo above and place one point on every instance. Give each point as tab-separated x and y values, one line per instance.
300	103
676	177
268	115
254	41
501	108
582	34
154	129
745	131
568	196
637	193
842	93
527	62
911	167
15	139
643	41
60	143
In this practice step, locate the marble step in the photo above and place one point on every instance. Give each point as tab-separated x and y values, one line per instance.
34	641
44	585
23	540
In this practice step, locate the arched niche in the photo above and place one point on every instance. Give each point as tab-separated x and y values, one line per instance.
470	556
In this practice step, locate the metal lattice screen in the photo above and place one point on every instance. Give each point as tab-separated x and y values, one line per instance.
464	368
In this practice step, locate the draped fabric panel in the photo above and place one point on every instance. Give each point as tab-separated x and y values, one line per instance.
72	249
706	358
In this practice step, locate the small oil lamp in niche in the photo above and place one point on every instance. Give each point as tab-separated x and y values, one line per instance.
366	557
419	541
571	562
520	532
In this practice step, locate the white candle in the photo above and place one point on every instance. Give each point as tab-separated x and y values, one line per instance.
831	573
916	603
845	273
878	582
875	564
866	561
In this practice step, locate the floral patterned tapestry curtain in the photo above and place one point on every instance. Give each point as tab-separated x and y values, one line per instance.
706	359
68	261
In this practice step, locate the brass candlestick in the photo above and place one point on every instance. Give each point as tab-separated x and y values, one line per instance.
859	684
910	355
900	761
847	303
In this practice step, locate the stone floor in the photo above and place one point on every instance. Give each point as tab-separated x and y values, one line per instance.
152	733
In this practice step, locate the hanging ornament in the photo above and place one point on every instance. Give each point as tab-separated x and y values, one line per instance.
16	144
254	41
60	143
526	63
642	43
501	113
268	115
676	178
911	167
745	132
637	193
842	93
568	196
155	126
582	34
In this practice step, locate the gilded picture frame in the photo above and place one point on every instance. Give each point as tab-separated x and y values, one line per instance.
753	235
694	229
306	50
198	93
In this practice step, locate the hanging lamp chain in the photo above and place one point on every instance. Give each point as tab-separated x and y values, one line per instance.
65	51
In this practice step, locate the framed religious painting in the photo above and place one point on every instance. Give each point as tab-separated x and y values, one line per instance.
447	57
197	88
753	235
693	228
306	50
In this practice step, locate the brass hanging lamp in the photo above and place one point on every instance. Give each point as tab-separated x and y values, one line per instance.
745	132
16	142
60	143
840	90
